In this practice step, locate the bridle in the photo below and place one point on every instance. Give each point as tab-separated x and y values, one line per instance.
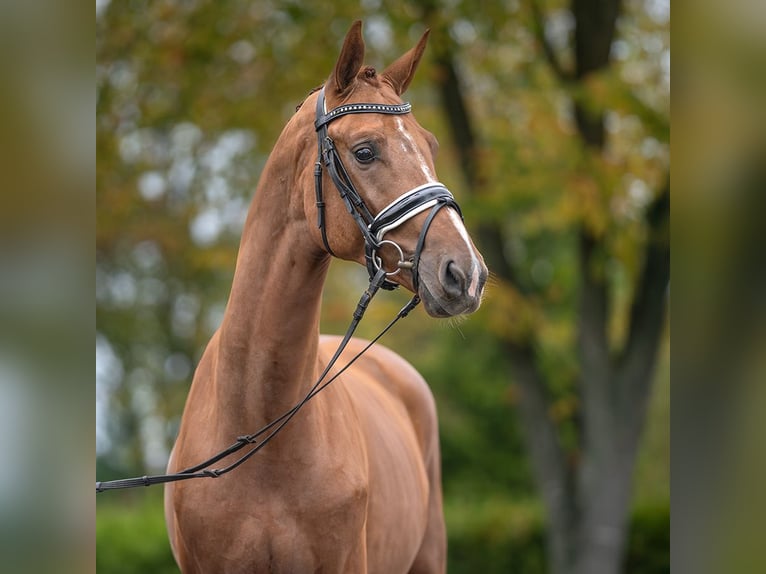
431	196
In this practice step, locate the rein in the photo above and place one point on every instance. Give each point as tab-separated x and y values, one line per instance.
203	470
431	196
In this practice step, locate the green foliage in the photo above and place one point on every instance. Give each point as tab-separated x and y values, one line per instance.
191	97
178	83
649	541
482	451
131	536
499	536
485	534
495	536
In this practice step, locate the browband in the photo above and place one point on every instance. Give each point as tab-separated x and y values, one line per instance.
397	109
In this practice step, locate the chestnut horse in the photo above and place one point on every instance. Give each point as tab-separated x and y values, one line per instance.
352	484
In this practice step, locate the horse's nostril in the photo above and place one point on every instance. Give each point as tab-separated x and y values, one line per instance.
453	279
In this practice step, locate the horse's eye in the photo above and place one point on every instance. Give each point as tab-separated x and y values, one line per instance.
364	155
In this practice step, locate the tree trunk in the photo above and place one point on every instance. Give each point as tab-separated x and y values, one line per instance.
587	500
552	476
615	394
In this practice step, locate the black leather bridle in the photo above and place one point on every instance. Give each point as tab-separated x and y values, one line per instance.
431	195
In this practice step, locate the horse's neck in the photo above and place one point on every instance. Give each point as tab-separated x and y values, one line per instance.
269	335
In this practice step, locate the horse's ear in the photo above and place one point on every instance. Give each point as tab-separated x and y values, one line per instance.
400	73
350	60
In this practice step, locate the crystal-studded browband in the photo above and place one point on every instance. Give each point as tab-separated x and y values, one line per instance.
397	109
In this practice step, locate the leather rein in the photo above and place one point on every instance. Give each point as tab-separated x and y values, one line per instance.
431	196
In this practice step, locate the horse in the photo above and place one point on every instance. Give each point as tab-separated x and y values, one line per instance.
353	483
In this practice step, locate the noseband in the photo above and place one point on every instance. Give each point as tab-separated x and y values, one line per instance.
431	196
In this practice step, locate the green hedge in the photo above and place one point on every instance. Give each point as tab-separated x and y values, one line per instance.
494	536
649	543
491	536
508	537
131	535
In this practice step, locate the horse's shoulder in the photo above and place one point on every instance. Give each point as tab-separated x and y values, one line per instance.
379	357
388	372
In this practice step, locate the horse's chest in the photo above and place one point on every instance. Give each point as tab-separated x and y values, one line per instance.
300	521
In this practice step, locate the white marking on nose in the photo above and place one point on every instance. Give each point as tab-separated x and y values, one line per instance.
473	285
414	149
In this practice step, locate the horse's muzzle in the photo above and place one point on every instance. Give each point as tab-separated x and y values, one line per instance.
452	287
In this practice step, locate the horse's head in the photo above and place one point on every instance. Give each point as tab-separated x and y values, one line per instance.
391	211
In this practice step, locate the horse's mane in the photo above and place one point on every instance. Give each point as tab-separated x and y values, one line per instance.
319	87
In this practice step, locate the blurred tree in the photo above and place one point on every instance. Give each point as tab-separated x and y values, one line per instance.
556	122
583	441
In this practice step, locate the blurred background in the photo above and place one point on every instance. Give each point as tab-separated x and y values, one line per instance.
553	120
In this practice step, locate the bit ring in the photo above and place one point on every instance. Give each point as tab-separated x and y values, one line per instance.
378	262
